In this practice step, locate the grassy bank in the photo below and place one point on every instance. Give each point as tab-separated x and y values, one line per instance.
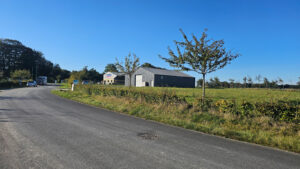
266	117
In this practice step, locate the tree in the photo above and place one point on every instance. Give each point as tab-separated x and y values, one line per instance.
266	82
231	83
94	76
16	56
85	74
130	66
280	81
200	55
214	82
150	65
199	83
298	83
258	79
245	81
273	83
21	75
110	68
250	82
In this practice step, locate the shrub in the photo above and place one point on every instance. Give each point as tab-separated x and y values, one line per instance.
11	84
203	106
281	110
226	106
246	108
162	97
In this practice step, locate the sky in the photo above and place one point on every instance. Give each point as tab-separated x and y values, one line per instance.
78	33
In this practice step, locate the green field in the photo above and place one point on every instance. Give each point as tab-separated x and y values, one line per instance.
262	116
238	94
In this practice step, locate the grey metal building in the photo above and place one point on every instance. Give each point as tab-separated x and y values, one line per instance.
154	77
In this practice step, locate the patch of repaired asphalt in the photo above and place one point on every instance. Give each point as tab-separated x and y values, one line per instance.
148	135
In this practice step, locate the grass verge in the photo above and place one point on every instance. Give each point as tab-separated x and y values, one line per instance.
261	130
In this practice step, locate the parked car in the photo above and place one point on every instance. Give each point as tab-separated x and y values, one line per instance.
31	84
85	82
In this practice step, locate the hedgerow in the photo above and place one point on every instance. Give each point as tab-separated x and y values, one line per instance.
280	110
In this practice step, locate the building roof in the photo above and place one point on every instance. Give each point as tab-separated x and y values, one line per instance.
116	73
165	72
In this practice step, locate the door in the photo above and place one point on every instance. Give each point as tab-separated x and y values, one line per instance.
139	81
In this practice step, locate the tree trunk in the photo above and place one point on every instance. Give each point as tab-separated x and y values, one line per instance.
129	80
203	88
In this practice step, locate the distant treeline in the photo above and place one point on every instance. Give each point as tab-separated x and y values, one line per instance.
248	83
15	56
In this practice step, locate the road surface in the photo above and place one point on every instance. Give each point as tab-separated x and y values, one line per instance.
40	130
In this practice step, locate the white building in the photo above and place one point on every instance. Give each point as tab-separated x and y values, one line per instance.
114	78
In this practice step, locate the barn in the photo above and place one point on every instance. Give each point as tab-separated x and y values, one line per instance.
114	78
155	77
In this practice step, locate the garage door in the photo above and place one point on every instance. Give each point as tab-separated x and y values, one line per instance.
139	81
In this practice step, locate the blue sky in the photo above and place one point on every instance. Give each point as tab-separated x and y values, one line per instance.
90	33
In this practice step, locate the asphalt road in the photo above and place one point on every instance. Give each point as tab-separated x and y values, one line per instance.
40	130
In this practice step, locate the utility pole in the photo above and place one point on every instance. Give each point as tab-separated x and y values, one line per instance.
36	70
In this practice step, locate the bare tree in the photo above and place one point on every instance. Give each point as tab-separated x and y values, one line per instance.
231	82
280	81
250	81
130	66
200	55
266	82
245	81
258	79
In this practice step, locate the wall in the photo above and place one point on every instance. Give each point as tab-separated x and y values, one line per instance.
174	81
167	81
147	77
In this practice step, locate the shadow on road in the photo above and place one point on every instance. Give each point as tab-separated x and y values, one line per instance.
5	98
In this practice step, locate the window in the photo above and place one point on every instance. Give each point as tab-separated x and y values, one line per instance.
161	77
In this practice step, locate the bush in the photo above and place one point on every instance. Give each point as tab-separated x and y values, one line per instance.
226	106
203	106
281	110
287	111
11	84
246	108
162	97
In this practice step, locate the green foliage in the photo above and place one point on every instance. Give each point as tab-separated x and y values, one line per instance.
226	106
15	56
202	105
278	110
201	55
163	97
21	75
149	65
85	74
246	108
110	68
5	84
281	110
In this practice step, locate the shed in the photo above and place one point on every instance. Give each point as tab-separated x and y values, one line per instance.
155	77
